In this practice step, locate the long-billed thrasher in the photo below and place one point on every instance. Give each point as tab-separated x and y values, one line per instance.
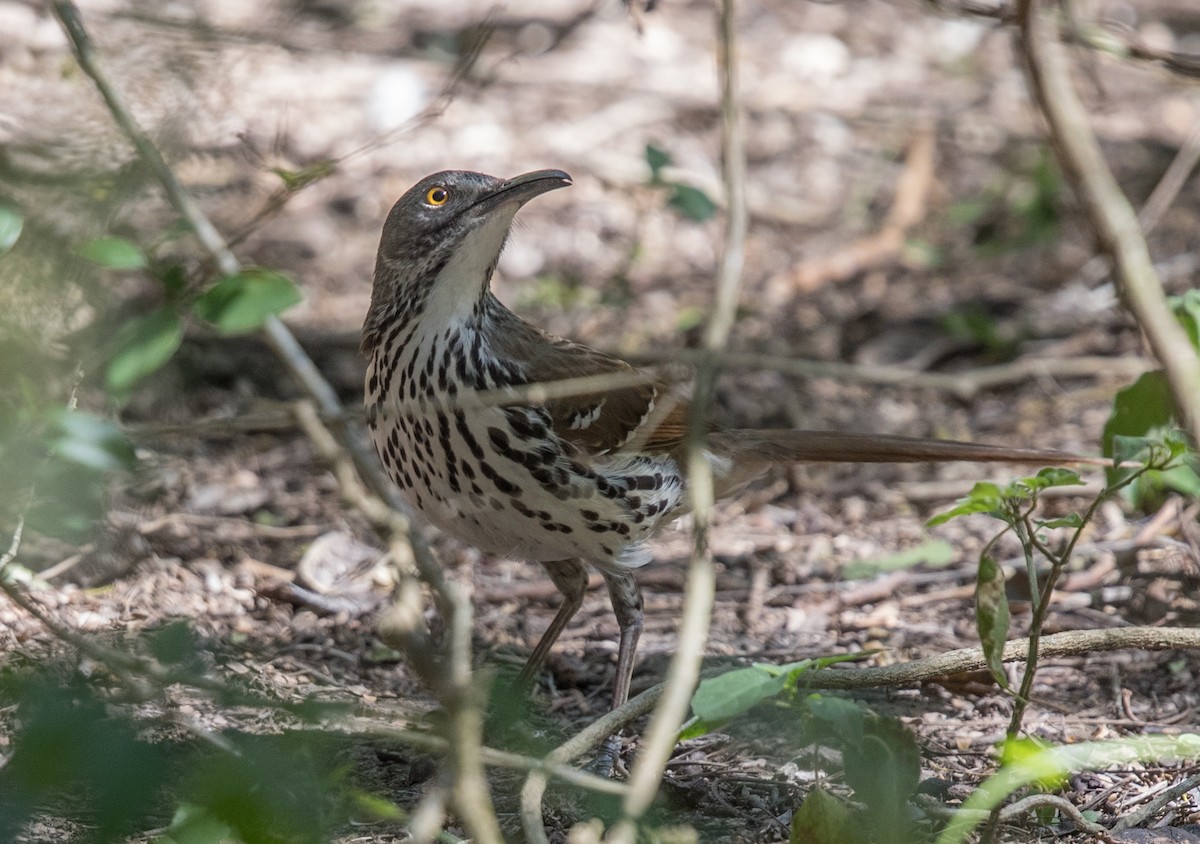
566	482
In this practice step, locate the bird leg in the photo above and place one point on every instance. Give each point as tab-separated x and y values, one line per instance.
626	597
571	579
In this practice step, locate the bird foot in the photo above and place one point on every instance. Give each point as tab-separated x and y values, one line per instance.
608	761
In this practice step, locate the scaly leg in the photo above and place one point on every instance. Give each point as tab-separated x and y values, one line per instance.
627	604
571	579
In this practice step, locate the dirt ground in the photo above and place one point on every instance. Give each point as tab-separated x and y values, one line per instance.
863	118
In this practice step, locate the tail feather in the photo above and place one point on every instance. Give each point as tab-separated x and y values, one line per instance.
798	446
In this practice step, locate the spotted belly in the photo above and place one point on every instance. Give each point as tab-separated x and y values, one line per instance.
501	480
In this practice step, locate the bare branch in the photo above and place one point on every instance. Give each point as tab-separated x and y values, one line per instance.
1115	222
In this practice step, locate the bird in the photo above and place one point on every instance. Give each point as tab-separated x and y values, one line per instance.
566	482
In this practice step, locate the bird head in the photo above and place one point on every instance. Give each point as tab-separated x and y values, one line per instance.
441	242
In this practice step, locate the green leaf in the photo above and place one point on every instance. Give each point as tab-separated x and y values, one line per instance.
824	819
115	253
985	497
718	699
90	441
1053	476
242	302
196	825
992	616
692	203
377	807
884	769
1129	449
143	345
1187	311
935	553
11	223
174	644
657	159
1053	764
843	718
1074	521
1141	409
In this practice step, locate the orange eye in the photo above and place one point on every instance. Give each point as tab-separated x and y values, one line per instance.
437	196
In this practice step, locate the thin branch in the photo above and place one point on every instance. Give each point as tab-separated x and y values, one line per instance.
1115	222
402	625
1153	807
277	335
1070	643
684	670
573	748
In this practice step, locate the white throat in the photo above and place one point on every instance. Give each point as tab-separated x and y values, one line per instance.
456	289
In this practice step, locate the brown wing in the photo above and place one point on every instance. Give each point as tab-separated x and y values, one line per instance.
641	417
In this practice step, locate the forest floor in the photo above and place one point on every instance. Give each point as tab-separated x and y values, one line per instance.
905	212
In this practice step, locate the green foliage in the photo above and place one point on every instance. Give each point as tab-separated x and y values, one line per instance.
995	500
991	615
114	253
62	459
934	553
1032	765
975	325
143	345
1015	504
1017	211
880	759
1142	411
824	819
11	223
1146	410
719	699
243	302
690	202
70	753
294	180
77	754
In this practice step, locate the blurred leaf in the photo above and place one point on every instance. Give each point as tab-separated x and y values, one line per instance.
692	203
196	825
247	792
935	553
296	179
991	616
175	644
174	281
11	223
143	345
1035	764
242	302
90	441
884	768
1139	410
71	752
657	159
717	699
1186	308
923	254
838	715
824	819
378	807
115	253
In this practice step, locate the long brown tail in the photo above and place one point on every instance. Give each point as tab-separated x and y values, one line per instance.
798	446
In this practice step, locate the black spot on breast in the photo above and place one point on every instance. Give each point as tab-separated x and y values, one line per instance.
503	484
464	431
